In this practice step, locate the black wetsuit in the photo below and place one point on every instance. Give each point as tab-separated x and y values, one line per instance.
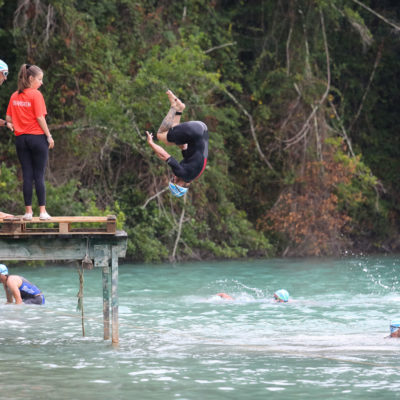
195	135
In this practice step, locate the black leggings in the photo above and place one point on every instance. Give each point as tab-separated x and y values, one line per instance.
33	151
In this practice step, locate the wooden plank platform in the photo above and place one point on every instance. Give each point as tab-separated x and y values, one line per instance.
58	226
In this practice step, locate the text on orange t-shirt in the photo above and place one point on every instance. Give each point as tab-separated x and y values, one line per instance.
24	109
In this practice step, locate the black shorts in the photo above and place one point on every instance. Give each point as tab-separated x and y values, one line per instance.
39	300
192	132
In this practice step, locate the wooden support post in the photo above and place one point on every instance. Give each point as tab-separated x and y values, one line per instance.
111	223
114	294
64	227
103	248
106	302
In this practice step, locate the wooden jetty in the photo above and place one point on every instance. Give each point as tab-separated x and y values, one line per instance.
60	225
71	238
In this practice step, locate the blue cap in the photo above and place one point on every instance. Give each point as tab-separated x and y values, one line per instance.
176	190
282	294
3	66
3	269
394	325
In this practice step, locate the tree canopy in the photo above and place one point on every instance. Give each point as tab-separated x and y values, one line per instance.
299	97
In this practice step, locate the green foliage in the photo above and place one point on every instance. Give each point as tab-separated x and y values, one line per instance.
107	66
360	197
10	192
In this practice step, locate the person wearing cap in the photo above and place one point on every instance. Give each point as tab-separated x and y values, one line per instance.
26	114
395	329
281	296
3	78
19	289
191	137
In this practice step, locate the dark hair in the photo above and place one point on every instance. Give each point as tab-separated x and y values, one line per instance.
25	72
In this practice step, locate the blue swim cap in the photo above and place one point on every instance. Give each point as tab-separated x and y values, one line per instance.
282	294
3	269
176	190
3	66
394	325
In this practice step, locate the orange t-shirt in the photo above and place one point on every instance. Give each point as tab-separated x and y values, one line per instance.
24	109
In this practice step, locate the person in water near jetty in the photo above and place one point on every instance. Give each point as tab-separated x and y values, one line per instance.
281	296
20	289
395	329
3	78
191	137
225	296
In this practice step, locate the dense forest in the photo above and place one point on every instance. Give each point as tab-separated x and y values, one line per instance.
300	97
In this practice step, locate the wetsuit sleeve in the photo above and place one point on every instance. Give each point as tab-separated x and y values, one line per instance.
175	166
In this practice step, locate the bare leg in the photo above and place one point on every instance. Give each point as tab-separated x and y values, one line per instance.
171	119
168	121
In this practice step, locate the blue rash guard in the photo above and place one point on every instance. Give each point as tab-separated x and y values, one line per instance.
30	293
195	135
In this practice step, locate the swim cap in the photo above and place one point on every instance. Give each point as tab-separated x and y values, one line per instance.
282	294
394	325
3	66
176	190
3	269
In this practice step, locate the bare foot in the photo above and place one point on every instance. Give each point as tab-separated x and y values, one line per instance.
179	106
171	97
175	102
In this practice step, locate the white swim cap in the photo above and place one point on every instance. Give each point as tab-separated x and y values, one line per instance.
3	269
176	190
3	66
394	325
282	294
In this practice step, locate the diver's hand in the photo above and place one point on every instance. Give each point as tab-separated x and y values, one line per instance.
149	137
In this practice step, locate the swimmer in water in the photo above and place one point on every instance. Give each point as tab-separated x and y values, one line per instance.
18	288
224	296
281	296
395	329
191	137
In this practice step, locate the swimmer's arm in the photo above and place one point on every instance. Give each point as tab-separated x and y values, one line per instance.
225	296
160	152
9	297
8	294
13	286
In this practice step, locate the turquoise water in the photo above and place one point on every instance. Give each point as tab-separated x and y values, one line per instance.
180	341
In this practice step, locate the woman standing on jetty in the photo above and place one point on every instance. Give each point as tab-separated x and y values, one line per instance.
26	117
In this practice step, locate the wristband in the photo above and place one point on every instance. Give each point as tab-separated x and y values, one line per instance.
178	113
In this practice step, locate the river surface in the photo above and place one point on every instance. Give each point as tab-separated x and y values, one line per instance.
178	340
